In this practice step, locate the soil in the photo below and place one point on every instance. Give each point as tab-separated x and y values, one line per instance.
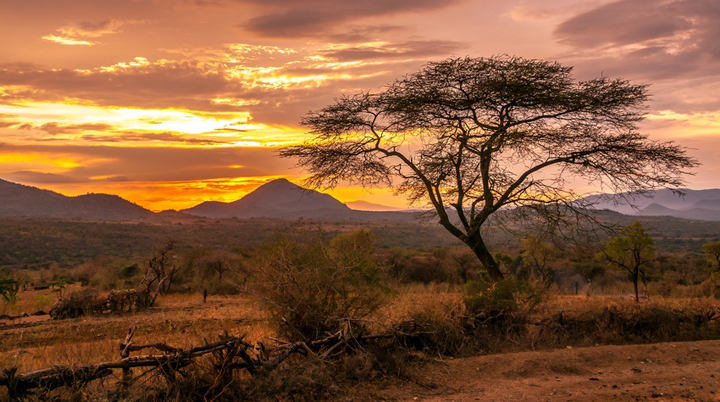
682	371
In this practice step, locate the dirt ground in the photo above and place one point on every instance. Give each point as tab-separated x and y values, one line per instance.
683	371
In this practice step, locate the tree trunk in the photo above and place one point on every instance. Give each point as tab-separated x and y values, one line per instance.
477	245
635	282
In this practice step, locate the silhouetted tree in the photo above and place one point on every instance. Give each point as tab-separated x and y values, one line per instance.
465	261
159	274
473	136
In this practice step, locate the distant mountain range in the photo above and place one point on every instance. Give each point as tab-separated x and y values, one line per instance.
285	200
20	200
276	199
695	204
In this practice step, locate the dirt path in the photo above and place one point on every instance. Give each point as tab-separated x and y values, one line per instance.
687	371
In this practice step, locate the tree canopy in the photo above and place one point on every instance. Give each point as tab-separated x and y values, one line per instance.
712	249
472	136
632	252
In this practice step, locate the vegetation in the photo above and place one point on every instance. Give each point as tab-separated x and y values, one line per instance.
382	305
316	288
538	254
712	249
8	289
474	136
632	252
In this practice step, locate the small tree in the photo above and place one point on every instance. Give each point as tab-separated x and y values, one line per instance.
59	284
632	252
589	270
538	254
465	261
712	249
159	274
474	136
8	290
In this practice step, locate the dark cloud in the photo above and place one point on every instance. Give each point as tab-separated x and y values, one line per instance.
661	42
194	84
675	26
164	164
309	18
360	33
142	137
55	128
166	84
427	48
26	176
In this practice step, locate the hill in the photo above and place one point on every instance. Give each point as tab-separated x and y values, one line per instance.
694	204
277	199
19	200
370	206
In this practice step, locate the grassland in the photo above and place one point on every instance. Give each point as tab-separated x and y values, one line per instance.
565	371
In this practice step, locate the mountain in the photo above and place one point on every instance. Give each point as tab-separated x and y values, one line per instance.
370	206
20	200
695	204
708	204
277	199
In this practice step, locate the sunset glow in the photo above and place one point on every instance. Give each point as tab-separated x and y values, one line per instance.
169	104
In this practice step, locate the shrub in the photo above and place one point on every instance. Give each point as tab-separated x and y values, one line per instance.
42	301
437	328
313	288
76	304
628	323
502	298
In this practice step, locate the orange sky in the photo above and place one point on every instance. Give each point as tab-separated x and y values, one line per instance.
172	102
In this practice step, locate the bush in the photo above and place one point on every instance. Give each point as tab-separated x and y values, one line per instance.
76	304
629	323
314	288
506	297
437	328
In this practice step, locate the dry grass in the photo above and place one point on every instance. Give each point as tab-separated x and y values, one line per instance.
183	320
180	320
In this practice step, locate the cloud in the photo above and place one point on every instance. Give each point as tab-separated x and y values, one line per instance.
146	137
363	33
55	128
314	18
159	164
235	77
671	44
413	49
526	13
62	40
79	33
95	29
162	83
672	27
26	176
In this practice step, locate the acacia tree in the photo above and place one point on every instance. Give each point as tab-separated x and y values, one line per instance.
631	252
473	136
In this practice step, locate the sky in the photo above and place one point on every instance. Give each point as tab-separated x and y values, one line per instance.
169	103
